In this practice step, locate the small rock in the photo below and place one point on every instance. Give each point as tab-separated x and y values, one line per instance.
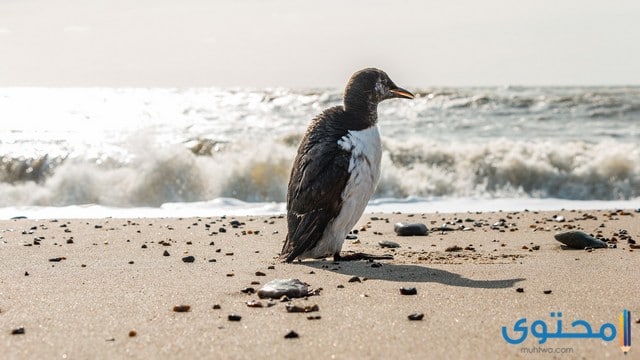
558	218
275	289
547	292
260	273
17	331
453	248
291	335
181	308
132	333
408	291
216	307
301	309
166	253
58	259
520	290
254	304
388	244
415	229
234	317
248	290
188	259
355	279
416	316
579	240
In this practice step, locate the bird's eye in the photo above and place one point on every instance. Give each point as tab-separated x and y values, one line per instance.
380	88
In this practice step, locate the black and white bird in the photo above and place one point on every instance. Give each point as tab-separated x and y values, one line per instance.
337	169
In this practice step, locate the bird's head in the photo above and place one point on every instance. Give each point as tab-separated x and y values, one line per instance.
368	87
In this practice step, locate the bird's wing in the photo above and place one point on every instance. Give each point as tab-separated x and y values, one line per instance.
315	194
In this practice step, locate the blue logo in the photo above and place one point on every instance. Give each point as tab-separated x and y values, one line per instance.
580	329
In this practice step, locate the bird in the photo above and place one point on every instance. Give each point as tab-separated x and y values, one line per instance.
336	170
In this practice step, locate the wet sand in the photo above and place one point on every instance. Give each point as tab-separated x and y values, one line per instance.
82	288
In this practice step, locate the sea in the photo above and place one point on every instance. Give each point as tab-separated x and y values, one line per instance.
162	152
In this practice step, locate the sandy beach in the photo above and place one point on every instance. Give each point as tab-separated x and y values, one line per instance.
107	288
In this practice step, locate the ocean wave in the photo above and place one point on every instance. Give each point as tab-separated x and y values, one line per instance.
257	171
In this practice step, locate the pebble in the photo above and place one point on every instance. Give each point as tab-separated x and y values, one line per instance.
165	253
355	279
416	316
301	309
453	248
181	308
58	259
520	290
388	244
216	307
277	288
234	317
132	333
579	240
408	291
254	304
291	335
547	292
414	229
18	331
188	259
248	290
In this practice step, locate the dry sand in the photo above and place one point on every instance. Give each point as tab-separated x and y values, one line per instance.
107	285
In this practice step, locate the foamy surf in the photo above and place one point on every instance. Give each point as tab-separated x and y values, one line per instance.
130	151
234	207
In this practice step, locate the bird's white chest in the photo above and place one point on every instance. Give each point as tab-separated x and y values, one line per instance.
366	151
364	172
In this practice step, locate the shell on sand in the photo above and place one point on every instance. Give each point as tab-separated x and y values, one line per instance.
579	240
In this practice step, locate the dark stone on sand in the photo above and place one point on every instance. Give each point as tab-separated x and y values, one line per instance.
17	331
355	279
408	291
520	290
453	248
388	244
181	308
165	253
291	335
216	307
416	316
234	317
415	229
248	290
301	309
144	246
260	273
546	292
58	259
579	240
277	288
188	259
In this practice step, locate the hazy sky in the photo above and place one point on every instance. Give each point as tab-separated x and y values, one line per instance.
318	43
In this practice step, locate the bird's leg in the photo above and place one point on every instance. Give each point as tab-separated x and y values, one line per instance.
360	256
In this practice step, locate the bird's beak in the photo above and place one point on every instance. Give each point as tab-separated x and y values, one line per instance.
401	93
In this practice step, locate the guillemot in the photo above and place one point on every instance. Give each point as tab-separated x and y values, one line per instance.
336	169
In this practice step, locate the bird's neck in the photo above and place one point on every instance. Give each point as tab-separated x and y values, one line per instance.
362	108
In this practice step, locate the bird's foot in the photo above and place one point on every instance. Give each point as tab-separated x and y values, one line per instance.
360	256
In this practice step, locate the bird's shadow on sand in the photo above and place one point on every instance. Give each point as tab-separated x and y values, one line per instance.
408	273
